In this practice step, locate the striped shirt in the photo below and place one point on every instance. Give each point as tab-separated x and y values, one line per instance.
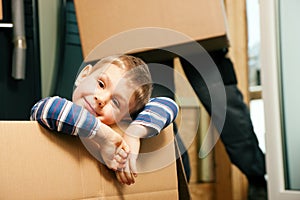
61	115
158	113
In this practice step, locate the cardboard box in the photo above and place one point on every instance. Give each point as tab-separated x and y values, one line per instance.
202	20
1	12
38	164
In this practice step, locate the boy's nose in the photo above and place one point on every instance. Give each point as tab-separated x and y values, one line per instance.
101	99
99	102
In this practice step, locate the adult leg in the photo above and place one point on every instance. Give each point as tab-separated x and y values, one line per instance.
237	134
163	85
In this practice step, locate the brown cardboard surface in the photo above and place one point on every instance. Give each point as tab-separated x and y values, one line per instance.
1	12
39	164
201	20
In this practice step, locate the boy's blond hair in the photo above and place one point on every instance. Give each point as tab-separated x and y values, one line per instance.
137	74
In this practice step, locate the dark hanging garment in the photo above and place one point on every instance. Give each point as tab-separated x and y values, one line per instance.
20	82
70	56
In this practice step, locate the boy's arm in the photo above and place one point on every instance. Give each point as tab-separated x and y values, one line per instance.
158	113
61	115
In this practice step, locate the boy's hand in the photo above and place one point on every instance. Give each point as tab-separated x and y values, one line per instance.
113	148
129	173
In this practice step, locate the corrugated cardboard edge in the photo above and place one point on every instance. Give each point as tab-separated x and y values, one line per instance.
163	195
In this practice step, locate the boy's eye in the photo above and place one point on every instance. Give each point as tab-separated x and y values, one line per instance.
116	102
101	83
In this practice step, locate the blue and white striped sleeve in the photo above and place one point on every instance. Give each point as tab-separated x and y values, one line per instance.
158	113
61	115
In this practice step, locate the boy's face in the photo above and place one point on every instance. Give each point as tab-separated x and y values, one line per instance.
104	93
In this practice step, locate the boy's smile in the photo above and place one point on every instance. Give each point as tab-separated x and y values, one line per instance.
88	106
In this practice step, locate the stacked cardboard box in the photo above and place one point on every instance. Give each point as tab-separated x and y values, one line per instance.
200	20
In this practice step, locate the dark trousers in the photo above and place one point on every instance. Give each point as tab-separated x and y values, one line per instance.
237	134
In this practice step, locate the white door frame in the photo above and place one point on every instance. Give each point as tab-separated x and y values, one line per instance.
270	60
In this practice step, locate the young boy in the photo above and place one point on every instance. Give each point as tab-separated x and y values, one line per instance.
115	88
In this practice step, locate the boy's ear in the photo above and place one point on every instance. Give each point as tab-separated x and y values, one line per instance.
83	74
